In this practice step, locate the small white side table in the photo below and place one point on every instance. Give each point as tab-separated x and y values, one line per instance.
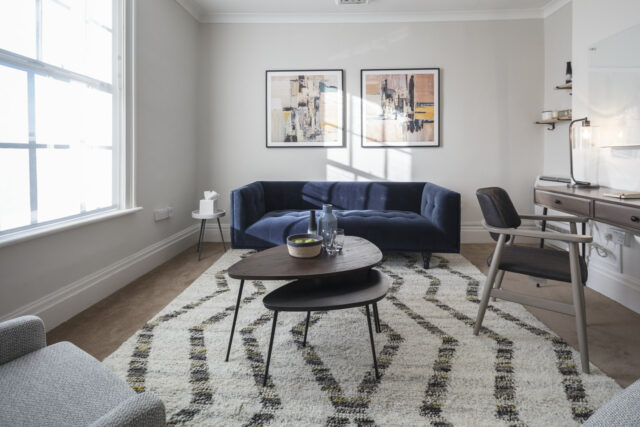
217	215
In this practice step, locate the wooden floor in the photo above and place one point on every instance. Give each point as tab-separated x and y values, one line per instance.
614	331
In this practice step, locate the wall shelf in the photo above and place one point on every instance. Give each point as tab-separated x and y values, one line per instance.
553	122
566	86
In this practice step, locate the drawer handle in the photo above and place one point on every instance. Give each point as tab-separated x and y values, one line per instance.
557	202
635	219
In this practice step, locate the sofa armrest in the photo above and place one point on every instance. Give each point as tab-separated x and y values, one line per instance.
247	206
141	410
21	336
442	207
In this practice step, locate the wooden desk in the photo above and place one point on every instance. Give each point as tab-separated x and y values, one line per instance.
623	213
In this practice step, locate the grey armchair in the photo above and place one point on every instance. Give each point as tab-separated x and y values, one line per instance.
61	385
502	221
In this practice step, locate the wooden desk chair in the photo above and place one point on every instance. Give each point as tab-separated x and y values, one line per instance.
502	221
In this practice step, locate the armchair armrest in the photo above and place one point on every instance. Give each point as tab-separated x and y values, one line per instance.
442	207
21	336
144	409
548	235
559	218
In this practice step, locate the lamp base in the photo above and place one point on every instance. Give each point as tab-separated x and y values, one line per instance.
582	184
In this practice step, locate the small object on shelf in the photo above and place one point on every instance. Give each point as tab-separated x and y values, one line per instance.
304	245
549	115
569	73
621	195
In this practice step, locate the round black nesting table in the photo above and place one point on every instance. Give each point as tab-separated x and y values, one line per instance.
339	293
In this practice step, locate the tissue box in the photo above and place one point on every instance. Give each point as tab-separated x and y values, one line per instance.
208	207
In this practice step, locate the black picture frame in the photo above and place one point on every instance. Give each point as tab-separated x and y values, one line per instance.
437	141
343	114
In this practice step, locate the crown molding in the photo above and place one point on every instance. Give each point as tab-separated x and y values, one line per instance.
193	8
350	17
553	6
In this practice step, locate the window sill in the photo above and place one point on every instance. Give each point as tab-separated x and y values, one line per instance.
45	230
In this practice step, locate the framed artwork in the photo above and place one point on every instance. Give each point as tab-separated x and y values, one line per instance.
400	107
305	108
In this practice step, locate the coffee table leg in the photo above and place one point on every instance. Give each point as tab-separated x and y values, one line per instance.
306	328
235	317
373	347
376	318
273	331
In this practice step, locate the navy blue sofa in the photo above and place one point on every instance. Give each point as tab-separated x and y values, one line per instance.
395	216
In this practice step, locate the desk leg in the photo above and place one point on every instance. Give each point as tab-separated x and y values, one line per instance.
544	226
221	235
235	317
203	224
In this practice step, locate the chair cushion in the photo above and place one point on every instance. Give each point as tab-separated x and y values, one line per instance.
545	263
389	230
58	385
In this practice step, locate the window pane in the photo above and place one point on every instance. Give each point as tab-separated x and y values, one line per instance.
18	26
14	112
14	188
59	186
76	35
70	113
96	179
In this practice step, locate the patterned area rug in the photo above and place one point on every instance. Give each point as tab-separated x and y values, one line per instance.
433	369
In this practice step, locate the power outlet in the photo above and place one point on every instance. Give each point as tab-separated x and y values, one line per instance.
163	213
619	237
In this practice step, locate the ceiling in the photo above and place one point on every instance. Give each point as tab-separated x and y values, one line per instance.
283	11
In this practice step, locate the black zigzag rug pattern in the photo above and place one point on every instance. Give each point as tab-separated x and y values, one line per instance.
434	371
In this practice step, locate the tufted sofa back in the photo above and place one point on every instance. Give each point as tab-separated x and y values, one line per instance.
403	196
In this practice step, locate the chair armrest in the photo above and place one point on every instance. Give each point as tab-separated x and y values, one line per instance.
140	410
442	207
247	206
21	336
547	235
559	218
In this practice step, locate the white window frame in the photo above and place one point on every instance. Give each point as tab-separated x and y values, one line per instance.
123	130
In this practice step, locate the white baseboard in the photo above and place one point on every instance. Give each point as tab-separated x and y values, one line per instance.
619	287
66	302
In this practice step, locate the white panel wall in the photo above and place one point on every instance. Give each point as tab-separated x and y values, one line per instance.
492	77
595	20
99	258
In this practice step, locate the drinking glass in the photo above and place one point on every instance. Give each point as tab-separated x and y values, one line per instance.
330	246
338	240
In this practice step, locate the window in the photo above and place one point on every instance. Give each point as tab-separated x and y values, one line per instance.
61	111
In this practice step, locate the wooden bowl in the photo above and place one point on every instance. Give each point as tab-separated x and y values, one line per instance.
299	249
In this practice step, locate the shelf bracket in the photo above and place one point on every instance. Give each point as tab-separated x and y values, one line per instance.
553	126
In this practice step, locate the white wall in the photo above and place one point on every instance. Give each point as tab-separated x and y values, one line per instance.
59	275
557	51
594	20
492	77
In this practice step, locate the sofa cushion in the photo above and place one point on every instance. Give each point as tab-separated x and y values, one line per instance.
300	195
58	385
389	230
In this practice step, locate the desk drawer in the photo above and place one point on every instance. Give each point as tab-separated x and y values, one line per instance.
563	202
624	216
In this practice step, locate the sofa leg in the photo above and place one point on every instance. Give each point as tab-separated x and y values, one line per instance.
426	257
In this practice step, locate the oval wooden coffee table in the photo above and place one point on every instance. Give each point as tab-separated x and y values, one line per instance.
312	295
357	258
